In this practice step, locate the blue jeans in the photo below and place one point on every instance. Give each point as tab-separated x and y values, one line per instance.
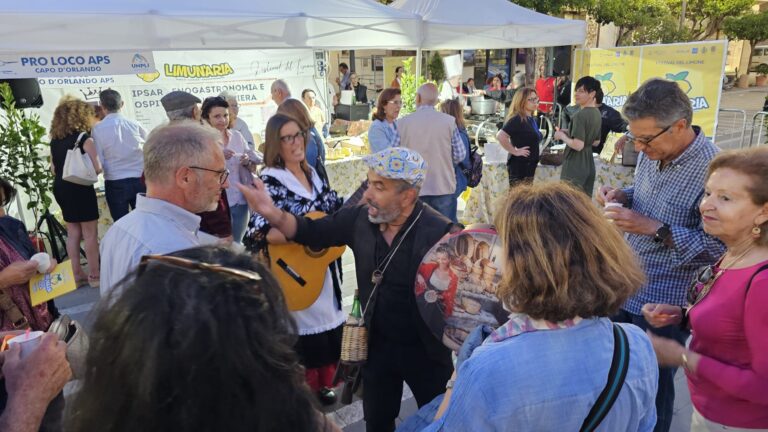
665	397
239	214
121	195
444	204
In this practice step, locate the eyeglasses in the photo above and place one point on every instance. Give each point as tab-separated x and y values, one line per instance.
197	265
533	99
395	102
290	139
631	138
705	278
223	174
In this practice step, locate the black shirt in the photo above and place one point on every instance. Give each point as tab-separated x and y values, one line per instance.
523	133
361	93
612	121
393	314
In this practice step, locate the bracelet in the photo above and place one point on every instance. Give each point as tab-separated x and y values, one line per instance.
684	356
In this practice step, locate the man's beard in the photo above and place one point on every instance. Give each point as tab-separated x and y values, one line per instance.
383	216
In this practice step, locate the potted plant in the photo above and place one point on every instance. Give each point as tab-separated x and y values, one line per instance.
762	75
23	160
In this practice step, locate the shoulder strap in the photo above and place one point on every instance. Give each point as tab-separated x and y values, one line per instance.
77	141
616	376
749	284
9	308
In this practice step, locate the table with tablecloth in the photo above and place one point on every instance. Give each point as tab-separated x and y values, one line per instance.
484	198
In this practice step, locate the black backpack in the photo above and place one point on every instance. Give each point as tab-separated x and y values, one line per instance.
474	173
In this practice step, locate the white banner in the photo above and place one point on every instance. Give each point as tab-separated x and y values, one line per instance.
248	73
75	64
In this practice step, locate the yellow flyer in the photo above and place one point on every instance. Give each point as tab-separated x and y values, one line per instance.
697	68
43	287
615	68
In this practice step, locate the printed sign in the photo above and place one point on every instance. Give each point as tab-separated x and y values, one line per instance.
75	64
697	68
456	285
44	287
247	73
693	66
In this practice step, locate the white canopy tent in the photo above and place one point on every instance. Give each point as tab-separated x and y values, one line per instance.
81	25
488	24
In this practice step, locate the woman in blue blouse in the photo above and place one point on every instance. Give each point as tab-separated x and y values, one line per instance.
383	132
566	270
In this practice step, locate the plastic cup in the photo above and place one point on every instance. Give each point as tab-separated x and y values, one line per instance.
610	205
28	342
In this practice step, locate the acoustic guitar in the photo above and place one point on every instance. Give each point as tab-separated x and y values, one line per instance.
301	269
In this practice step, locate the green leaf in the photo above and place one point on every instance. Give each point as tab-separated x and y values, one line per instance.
608	76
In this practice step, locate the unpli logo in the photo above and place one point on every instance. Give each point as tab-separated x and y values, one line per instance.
139	62
608	86
681	78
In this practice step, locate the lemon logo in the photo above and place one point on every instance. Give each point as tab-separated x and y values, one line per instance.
149	77
681	78
606	83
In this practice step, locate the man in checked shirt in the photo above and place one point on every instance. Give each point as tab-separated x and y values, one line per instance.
660	213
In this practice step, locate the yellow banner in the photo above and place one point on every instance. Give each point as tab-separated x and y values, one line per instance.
43	287
697	68
615	68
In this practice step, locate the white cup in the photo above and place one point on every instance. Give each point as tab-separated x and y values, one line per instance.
43	261
610	205
28	342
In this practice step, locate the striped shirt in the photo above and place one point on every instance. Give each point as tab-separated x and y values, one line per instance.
672	195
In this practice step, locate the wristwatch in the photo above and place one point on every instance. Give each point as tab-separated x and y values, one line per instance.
662	234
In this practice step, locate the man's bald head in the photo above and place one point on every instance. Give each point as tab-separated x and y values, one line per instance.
426	95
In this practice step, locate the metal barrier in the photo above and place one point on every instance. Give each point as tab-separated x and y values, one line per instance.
761	127
734	126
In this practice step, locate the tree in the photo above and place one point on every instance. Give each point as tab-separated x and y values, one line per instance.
21	149
436	67
704	18
638	21
409	83
750	27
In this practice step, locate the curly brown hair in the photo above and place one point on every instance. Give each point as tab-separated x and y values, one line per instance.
562	258
72	115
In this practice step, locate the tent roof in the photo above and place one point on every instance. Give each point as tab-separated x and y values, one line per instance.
461	24
82	25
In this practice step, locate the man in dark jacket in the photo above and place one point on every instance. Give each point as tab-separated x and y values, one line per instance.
389	236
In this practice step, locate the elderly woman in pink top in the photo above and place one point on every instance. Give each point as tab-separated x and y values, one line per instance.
727	361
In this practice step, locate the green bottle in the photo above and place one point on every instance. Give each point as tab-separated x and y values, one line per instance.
356	316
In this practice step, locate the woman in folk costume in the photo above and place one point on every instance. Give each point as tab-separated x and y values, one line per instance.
296	188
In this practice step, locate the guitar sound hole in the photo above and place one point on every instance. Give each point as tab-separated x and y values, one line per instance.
314	252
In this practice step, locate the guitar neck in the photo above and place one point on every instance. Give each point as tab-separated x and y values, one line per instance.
357	196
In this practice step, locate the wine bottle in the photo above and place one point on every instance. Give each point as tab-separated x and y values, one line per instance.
356	316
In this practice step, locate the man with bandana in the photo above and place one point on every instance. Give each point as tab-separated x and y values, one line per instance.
392	226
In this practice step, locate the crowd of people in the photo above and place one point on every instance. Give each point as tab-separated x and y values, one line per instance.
193	331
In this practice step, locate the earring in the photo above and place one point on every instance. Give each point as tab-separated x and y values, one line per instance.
756	231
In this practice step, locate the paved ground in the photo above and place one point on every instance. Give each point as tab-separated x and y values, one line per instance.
80	303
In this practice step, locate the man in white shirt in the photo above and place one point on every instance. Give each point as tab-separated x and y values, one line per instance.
185	171
279	91
436	138
118	144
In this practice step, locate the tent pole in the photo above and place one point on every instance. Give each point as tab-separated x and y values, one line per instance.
418	64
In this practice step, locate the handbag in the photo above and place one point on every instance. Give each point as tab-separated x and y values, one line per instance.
67	329
78	167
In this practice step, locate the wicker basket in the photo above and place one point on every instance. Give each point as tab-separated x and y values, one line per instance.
354	344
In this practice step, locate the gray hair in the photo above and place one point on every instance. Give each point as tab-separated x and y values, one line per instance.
282	86
661	100
187	113
428	93
110	100
176	145
228	95
518	80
